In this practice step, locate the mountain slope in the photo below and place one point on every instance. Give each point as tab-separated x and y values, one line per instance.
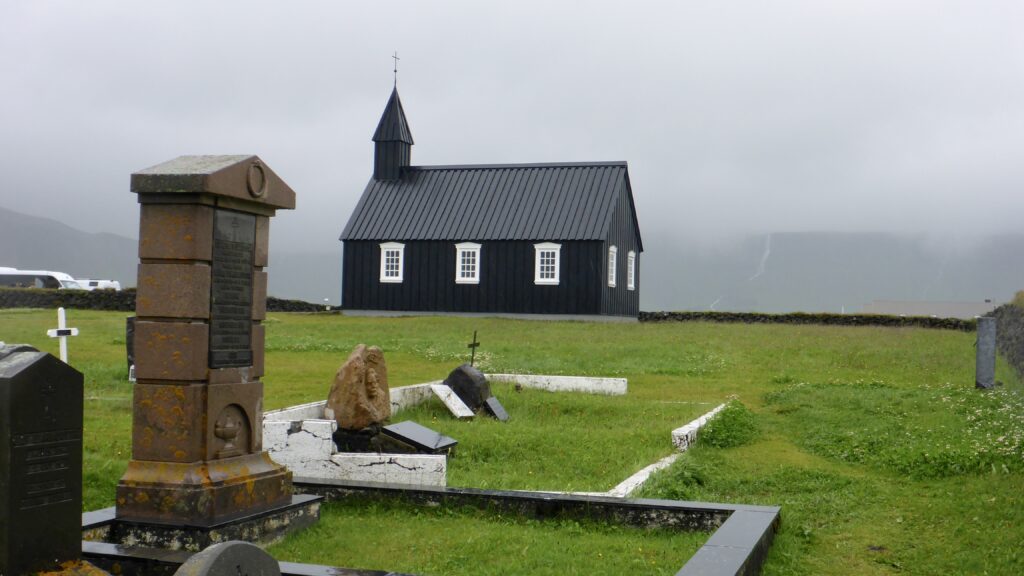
783	272
34	243
829	272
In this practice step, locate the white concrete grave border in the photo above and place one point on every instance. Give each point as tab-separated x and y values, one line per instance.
588	384
300	438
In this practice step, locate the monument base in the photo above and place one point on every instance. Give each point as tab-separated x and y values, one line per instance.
202	493
261	528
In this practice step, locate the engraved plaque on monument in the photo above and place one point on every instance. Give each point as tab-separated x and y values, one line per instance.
234	237
40	461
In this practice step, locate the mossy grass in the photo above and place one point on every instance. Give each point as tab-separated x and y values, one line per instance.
815	397
734	425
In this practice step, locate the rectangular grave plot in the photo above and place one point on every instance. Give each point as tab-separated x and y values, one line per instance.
231	287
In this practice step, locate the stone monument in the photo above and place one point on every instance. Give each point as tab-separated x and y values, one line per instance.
40	461
197	456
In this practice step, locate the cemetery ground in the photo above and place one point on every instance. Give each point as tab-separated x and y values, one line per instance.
873	440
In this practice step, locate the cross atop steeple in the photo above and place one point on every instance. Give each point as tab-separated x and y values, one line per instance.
396	67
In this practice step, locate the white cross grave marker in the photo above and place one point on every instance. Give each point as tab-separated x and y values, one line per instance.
62	332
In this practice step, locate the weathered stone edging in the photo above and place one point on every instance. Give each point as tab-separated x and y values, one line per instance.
822	318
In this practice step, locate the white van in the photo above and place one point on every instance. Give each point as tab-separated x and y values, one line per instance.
12	277
89	284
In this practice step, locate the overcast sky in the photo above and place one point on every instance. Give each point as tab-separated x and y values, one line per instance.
744	116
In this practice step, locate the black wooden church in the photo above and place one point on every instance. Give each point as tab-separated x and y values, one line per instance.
491	238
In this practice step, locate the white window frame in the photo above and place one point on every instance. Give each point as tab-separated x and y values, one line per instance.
386	247
540	249
613	257
631	270
464	249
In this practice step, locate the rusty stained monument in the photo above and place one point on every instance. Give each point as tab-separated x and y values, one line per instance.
197	455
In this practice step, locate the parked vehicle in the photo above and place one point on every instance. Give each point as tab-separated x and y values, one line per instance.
12	277
90	284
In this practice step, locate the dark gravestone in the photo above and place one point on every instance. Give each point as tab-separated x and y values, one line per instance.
420	437
494	408
232	558
40	461
470	385
985	354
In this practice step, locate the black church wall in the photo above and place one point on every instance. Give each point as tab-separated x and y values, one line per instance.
620	300
506	279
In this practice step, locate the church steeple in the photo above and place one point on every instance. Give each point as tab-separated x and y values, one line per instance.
392	141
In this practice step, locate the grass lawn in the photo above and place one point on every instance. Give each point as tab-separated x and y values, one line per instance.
883	457
389	536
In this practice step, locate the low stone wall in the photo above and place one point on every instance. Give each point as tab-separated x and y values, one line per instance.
812	318
123	300
1010	334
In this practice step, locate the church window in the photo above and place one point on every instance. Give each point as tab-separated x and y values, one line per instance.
467	263
546	263
392	256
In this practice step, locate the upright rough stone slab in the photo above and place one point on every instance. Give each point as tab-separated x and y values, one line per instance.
985	362
470	385
359	396
40	461
197	455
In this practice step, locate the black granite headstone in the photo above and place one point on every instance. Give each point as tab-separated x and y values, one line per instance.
470	385
231	558
40	461
494	408
422	438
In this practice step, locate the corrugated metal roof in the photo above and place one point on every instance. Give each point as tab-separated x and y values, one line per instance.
393	126
492	202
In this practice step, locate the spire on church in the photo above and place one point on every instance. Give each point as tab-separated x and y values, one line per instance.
392	141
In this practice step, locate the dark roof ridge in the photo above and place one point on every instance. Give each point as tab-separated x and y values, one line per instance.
525	165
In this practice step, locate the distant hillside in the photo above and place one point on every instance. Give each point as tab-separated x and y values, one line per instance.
309	276
828	272
33	243
809	272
